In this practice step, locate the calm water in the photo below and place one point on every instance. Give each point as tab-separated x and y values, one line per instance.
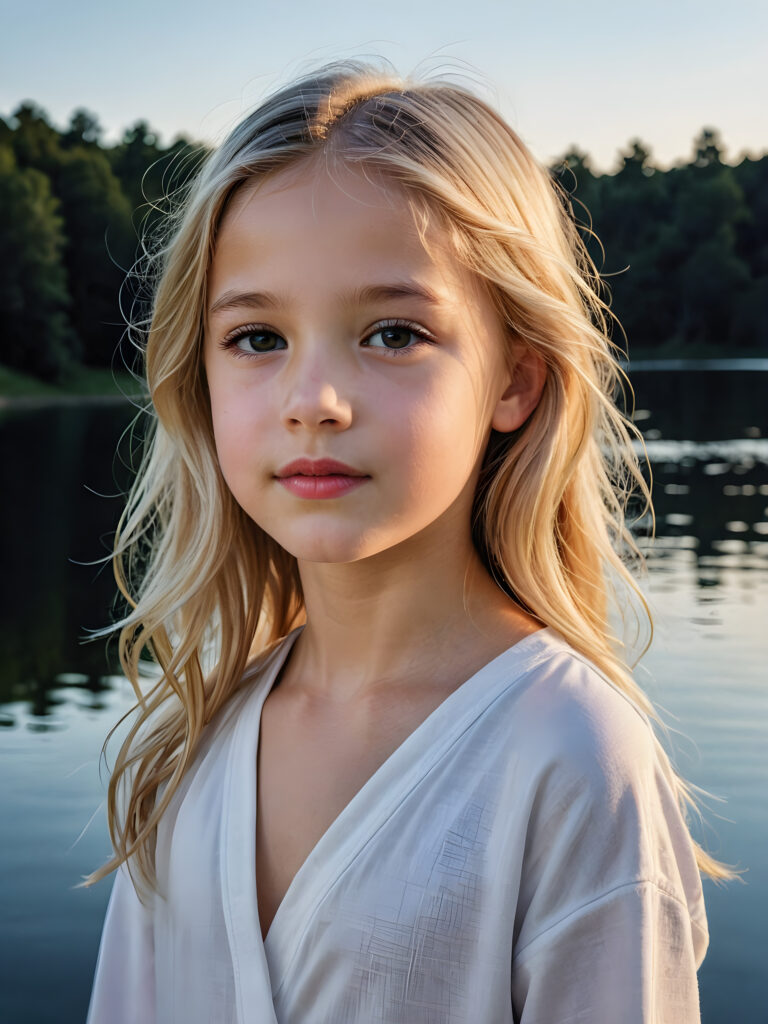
707	437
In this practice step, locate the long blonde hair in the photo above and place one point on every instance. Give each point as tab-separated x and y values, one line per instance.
209	590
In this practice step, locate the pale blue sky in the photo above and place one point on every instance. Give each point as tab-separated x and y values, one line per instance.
587	71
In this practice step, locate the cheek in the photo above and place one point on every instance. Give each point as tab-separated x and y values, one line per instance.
438	440
235	428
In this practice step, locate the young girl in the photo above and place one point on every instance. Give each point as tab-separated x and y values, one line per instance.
395	767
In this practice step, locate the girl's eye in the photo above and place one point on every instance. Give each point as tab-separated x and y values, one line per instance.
252	340
397	334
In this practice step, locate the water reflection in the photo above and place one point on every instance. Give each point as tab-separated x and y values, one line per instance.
710	495
65	482
707	441
710	507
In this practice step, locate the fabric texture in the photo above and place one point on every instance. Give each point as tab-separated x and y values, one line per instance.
520	857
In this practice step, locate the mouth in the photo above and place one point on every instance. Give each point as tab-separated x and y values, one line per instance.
321	485
324	467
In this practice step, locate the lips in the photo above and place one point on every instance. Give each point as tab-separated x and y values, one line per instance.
318	467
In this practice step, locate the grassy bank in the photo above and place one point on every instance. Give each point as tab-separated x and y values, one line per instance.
83	381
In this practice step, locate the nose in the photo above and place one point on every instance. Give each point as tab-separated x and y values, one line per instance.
312	398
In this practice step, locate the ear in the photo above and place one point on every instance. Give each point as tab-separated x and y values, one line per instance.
525	383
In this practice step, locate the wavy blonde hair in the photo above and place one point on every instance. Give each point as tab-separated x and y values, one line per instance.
208	588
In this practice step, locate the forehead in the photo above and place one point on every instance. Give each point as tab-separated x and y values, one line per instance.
362	189
299	213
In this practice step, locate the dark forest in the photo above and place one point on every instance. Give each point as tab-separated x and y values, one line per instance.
683	252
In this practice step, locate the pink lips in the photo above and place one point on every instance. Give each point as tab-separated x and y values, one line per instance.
320	478
318	467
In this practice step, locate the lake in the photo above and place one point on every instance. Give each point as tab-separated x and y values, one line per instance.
707	440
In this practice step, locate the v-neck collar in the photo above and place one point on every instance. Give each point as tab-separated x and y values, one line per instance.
262	965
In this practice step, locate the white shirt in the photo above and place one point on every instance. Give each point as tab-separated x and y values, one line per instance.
520	857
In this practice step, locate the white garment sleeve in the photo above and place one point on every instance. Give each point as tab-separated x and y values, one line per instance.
124	983
625	957
610	925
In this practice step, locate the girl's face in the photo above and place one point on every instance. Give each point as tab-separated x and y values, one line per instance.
331	332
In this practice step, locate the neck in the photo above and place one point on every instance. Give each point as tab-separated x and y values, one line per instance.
395	618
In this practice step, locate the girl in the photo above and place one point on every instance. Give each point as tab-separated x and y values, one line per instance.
395	767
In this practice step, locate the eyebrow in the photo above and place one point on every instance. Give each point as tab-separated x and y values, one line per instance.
359	296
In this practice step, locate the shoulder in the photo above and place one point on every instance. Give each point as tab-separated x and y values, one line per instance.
571	720
255	678
601	805
218	734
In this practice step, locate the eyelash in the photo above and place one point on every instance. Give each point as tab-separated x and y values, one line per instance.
230	342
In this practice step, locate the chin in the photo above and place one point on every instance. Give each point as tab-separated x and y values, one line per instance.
328	548
324	544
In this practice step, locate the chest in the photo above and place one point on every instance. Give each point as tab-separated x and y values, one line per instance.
311	764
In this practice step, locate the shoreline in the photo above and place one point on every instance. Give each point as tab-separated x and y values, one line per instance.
640	365
40	401
706	363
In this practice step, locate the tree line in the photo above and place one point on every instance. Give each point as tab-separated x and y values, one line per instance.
684	251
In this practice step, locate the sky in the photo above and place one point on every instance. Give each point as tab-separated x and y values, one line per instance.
590	73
